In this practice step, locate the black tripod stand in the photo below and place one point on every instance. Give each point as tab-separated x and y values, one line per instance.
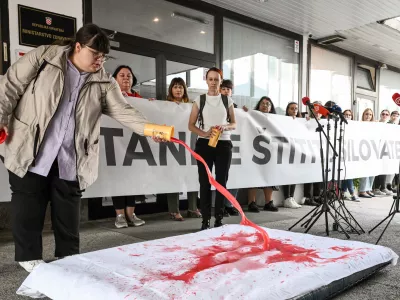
326	206
337	198
393	211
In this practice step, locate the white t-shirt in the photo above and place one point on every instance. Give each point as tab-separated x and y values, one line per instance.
214	114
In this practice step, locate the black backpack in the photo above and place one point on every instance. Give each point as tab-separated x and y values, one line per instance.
203	102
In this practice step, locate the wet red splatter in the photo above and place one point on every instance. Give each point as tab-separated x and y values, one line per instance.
173	248
121	249
341	249
247	245
135	254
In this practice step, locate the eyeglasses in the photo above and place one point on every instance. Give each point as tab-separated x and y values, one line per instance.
384	114
98	55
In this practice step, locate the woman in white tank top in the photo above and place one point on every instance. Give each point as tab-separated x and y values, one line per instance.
214	114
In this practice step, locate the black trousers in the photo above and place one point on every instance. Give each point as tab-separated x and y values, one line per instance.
315	187
379	182
30	196
221	157
121	202
288	190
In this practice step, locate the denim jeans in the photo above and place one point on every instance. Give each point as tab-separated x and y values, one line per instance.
366	184
347	184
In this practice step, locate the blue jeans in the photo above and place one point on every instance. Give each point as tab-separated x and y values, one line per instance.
348	185
234	192
366	184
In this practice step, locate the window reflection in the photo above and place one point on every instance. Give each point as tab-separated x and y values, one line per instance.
260	64
330	77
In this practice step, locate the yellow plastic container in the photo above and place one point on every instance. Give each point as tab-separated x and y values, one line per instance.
160	131
214	140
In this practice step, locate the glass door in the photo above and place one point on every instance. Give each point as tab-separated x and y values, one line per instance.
193	76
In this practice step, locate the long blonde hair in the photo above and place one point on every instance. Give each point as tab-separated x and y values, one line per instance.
368	109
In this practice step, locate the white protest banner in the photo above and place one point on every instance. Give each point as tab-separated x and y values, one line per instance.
267	150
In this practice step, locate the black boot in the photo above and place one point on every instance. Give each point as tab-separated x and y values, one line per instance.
205	225
218	222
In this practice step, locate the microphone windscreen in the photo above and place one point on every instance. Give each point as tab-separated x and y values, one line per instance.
396	98
321	110
305	100
336	108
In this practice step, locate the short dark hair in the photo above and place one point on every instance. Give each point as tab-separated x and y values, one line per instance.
91	36
272	111
226	83
119	68
214	69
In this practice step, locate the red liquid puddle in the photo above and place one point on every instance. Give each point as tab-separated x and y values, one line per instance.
242	247
228	195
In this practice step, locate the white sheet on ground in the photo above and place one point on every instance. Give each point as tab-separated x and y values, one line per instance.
213	264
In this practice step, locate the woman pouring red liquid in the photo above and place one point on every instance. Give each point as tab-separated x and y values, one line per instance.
51	101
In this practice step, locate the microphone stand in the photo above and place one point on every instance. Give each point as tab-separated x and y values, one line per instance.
393	211
325	206
337	196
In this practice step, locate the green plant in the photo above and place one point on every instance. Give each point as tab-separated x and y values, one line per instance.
356	182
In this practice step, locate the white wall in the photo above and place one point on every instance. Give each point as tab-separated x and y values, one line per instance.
72	8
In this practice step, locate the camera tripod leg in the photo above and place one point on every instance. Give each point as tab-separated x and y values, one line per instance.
303	218
387	225
347	222
326	223
388	216
351	216
337	222
306	223
315	220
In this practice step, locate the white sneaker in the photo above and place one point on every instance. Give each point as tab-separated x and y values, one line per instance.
290	203
120	221
31	264
379	193
387	192
303	200
295	202
136	221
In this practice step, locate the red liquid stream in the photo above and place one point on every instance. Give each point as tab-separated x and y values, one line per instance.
228	195
3	136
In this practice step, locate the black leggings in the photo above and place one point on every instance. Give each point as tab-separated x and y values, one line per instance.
379	182
288	190
221	157
316	187
121	202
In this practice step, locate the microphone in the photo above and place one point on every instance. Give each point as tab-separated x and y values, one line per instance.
396	98
318	108
336	109
306	101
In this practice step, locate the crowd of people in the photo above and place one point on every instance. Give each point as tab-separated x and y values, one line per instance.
201	124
